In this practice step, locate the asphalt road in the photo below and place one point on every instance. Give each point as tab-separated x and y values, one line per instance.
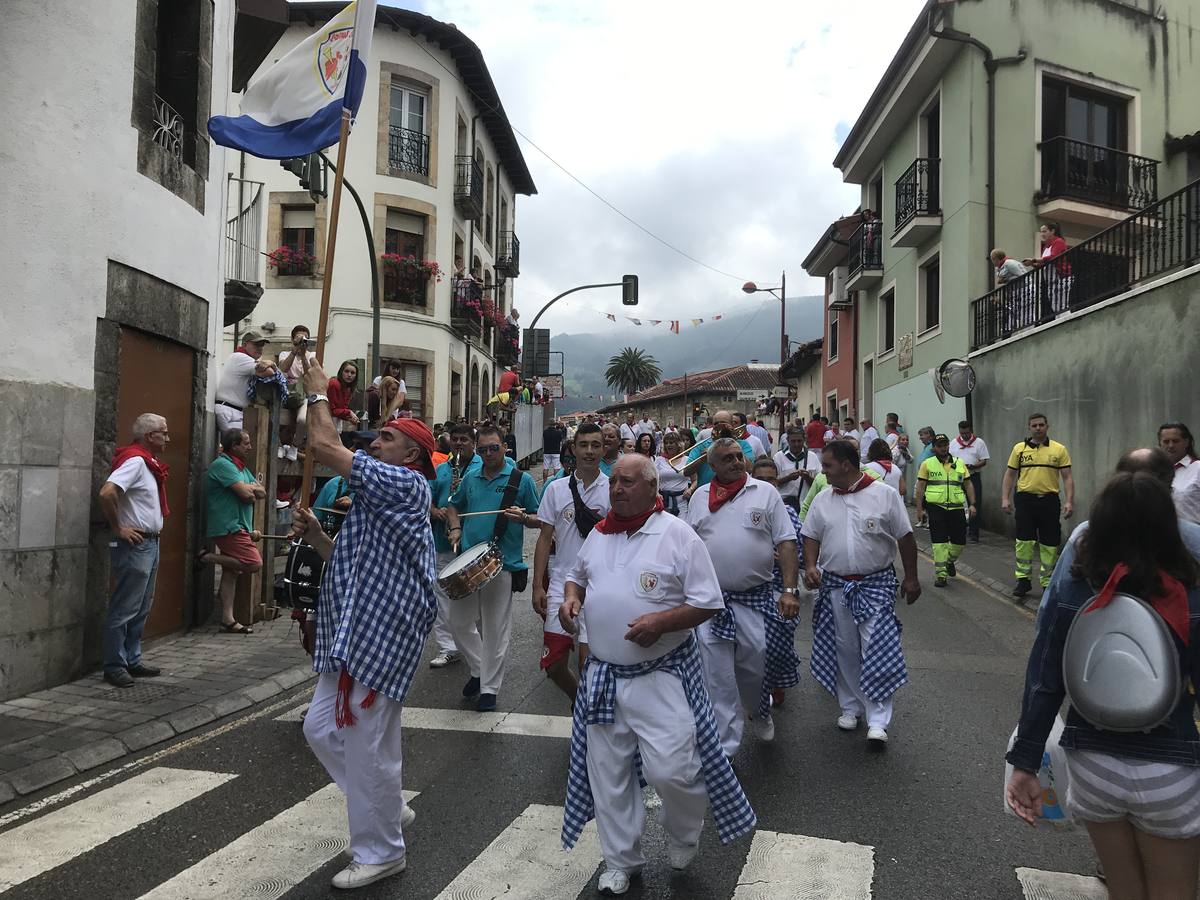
930	806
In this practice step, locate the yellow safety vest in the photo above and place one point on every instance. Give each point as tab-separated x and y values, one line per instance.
944	484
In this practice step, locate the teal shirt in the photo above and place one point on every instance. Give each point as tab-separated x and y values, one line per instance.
476	493
226	513
335	487
439	487
705	473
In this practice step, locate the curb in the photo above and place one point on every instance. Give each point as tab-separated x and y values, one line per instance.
46	772
997	589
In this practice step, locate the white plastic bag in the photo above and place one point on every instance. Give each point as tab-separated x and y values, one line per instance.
1053	776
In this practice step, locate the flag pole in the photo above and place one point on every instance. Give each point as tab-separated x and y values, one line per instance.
335	204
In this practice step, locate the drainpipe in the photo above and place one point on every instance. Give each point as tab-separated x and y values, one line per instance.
990	65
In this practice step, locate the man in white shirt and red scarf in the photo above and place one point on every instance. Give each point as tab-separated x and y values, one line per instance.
748	650
970	448
134	502
375	610
643	581
851	535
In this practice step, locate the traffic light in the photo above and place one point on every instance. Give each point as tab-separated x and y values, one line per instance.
311	172
629	290
695	411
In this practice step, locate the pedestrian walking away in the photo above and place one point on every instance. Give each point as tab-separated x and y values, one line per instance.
643	581
971	449
1036	465
851	535
942	487
375	611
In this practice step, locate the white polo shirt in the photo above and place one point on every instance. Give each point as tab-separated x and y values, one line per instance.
558	509
786	466
741	536
138	507
659	567
971	454
629	432
1185	488
858	532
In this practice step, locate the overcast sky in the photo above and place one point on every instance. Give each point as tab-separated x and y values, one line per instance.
712	124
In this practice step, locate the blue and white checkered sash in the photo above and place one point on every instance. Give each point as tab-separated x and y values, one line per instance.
883	669
595	704
783	664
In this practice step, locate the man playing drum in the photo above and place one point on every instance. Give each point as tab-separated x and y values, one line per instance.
375	612
482	621
569	509
643	581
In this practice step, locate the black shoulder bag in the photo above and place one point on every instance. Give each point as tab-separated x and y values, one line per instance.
585	519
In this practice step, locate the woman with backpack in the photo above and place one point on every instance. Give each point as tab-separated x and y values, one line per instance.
1134	784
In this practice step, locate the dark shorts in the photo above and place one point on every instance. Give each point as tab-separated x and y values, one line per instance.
1037	518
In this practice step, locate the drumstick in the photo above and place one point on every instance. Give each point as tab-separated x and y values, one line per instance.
259	536
336	512
489	512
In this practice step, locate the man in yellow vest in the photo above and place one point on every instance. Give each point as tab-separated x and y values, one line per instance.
942	485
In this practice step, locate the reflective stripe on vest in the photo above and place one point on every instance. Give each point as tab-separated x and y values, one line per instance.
947	490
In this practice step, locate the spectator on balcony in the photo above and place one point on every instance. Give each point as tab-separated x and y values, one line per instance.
393	400
1058	279
376	407
341	392
1007	268
292	364
236	374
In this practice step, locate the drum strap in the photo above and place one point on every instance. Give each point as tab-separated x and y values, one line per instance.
510	496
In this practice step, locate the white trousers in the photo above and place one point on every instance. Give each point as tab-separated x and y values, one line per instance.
653	716
482	625
734	672
364	761
441	625
227	417
852	641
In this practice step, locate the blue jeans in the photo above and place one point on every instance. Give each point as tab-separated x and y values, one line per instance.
134	567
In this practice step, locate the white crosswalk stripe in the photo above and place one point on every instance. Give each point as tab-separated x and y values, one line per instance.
527	861
795	865
1039	885
268	861
59	836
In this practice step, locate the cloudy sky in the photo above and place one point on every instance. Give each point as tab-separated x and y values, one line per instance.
714	125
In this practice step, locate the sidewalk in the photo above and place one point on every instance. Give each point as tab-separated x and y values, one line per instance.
58	733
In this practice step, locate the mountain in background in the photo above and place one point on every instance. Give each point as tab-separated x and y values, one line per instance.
737	338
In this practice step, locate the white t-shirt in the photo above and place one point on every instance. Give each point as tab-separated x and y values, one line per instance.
669	478
891	477
741	536
643	426
1185	488
971	454
858	532
661	566
138	507
235	378
629	432
864	441
295	372
785	465
558	509
379	378
756	446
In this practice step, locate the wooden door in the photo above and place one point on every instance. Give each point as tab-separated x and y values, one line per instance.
156	376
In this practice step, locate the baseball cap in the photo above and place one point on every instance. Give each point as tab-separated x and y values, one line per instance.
940	439
253	337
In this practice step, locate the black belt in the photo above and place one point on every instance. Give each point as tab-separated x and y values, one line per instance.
232	406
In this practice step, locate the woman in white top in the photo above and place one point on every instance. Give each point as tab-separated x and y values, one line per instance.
879	459
671	484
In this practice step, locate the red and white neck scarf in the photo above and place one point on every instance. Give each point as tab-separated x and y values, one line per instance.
721	492
862	482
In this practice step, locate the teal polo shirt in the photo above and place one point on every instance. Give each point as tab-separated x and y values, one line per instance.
439	487
705	473
476	493
226	513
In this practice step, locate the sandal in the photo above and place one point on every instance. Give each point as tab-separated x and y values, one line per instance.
236	628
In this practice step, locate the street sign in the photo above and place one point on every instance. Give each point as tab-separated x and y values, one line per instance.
782	391
748	395
554	386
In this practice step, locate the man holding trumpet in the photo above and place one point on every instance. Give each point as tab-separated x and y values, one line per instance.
697	457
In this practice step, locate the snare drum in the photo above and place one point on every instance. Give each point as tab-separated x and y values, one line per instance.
470	571
302	575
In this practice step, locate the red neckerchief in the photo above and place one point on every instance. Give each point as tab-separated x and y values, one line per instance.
862	482
1169	601
158	469
721	492
614	524
960	441
886	463
235	460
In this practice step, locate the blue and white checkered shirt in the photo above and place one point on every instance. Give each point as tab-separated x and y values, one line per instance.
595	704
377	605
783	664
883	669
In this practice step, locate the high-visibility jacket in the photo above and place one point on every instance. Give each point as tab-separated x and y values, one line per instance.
944	483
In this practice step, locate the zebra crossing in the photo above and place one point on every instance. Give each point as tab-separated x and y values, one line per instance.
524	860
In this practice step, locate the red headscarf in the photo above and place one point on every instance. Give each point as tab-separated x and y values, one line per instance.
614	524
420	434
157	468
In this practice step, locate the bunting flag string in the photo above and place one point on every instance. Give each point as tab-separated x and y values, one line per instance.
672	324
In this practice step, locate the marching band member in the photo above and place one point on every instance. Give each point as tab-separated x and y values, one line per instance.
851	534
697	464
570	508
377	607
643	580
748	649
671	482
482	621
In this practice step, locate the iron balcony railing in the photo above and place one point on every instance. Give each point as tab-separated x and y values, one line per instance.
466	310
411	290
168	128
1095	174
408	150
243	237
1148	244
508	261
918	192
866	248
468	187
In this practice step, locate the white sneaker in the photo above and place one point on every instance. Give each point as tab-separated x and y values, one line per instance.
681	856
357	875
877	735
613	882
444	658
764	727
407	816
847	722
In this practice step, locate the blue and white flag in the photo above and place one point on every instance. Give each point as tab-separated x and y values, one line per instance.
295	107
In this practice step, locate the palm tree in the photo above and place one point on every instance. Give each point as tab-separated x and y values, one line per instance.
632	370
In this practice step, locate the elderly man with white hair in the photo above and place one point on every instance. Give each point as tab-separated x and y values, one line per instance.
642	581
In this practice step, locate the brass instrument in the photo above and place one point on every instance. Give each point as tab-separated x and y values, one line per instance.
736	433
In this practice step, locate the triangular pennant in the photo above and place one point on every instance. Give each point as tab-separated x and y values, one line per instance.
610	317
696	322
633	320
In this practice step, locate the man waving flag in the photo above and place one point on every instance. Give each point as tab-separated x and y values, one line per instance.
295	107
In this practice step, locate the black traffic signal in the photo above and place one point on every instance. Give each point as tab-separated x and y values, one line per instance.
311	172
629	290
695	411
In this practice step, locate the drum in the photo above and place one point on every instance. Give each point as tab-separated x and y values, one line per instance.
302	575
470	571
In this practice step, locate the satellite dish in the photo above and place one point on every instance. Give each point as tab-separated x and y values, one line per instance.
955	377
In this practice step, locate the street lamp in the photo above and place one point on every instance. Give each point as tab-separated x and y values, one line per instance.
780	294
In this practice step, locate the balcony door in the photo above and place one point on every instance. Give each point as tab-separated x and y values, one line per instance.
408	144
405	237
1084	138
